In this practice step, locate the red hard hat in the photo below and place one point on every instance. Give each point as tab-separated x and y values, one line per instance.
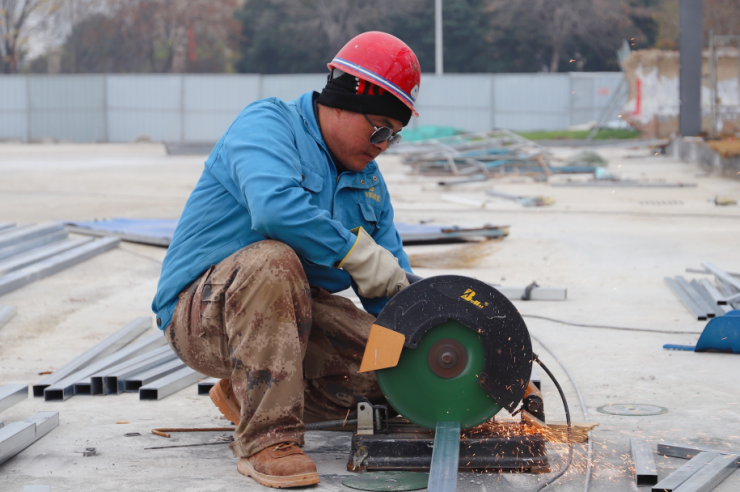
383	60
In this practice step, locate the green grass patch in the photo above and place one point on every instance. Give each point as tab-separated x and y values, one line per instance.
603	134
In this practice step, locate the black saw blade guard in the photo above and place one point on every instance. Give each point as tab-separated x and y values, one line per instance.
480	307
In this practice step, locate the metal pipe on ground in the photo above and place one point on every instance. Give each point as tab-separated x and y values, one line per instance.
101	350
24	234
710	475
17	436
31	244
23	260
114	382
55	264
686	299
646	472
678	477
170	384
12	394
6	313
64	389
137	381
707	298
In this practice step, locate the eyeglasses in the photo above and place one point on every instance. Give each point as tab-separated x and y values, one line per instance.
382	134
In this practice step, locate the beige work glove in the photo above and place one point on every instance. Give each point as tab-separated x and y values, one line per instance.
374	269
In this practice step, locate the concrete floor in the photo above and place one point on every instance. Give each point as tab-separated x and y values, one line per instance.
610	247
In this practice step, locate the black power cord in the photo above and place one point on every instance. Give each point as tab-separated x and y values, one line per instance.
570	427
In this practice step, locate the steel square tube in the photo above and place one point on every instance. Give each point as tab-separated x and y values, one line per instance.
722	275
64	389
83	387
98	380
685	451
6	312
709	310
114	383
144	378
170	384
17	436
55	264
686	299
708	300
711	474
12	394
646	472
675	479
23	260
99	351
716	296
445	457
6	225
24	234
204	387
2	424
37	242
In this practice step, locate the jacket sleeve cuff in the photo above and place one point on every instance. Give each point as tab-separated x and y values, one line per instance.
354	245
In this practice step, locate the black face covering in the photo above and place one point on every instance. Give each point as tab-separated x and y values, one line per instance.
343	91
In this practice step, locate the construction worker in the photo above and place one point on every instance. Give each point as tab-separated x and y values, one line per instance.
291	208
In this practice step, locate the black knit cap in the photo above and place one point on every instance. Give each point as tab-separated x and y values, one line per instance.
343	91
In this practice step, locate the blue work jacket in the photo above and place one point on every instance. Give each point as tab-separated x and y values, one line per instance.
271	177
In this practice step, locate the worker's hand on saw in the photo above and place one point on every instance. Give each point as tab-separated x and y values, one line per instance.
374	269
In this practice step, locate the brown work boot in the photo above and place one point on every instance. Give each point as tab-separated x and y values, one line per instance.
281	465
223	396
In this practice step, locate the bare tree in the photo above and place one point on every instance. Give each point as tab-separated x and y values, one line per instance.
563	21
20	19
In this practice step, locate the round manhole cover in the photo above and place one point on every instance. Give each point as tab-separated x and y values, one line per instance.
391	481
632	409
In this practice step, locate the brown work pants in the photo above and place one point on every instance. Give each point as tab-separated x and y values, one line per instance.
292	351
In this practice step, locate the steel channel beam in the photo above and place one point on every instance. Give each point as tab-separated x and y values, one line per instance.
26	233
64	389
707	298
445	458
675	479
55	264
687	452
12	394
135	382
6	313
17	436
711	474
168	385
686	299
646	472
103	349
113	382
33	243
204	387
20	261
709	310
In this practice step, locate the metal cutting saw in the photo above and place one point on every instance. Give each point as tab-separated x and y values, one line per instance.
449	353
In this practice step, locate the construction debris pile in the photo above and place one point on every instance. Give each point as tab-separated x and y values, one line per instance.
490	154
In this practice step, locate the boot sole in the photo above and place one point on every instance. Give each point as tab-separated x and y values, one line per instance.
228	409
300	480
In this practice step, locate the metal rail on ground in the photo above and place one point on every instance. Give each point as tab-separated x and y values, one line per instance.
31	244
55	264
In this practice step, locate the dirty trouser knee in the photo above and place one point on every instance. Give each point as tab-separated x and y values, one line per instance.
249	319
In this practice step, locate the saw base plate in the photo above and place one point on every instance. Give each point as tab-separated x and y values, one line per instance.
409	447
